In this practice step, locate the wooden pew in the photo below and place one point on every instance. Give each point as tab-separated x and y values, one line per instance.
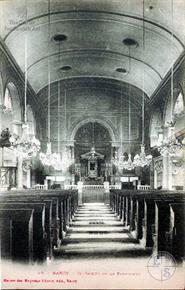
150	216
170	226
6	238
59	205
25	199
64	211
139	218
40	196
177	235
39	235
19	236
59	199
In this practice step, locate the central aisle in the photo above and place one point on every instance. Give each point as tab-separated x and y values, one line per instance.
97	253
96	232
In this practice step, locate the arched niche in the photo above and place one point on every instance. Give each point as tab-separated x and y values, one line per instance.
179	107
8	100
174	105
12	117
156	128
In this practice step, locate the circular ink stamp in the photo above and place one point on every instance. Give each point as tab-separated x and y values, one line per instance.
161	266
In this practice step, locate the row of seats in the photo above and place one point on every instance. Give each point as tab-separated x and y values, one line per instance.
34	222
155	218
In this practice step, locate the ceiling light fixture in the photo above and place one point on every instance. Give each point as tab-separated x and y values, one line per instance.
121	70
60	37
130	42
49	158
128	164
58	163
170	144
141	160
27	145
119	157
66	68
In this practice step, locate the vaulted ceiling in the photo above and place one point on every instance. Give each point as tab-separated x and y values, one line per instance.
131	41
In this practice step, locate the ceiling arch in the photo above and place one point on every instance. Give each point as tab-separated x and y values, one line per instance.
103	87
94	39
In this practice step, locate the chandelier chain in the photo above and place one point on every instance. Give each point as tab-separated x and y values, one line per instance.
58	117
172	69
49	73
25	65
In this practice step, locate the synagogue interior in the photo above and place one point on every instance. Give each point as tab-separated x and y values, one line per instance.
92	128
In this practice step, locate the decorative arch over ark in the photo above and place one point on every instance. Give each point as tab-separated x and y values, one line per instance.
93	120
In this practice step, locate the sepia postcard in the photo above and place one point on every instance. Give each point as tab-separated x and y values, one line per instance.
92	144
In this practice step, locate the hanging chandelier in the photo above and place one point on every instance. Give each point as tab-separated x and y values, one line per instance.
119	157
27	145
118	160
171	146
49	158
67	161
128	164
141	160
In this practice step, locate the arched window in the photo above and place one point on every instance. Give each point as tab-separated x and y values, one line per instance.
179	106
12	117
8	101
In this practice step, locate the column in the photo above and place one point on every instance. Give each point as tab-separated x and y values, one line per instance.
80	190
155	178
170	176
165	172
19	172
73	165
167	181
28	178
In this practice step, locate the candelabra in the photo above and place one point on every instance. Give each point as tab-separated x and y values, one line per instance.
25	146
171	146
128	165
51	159
141	160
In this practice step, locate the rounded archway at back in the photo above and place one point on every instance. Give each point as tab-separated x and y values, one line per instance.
92	149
